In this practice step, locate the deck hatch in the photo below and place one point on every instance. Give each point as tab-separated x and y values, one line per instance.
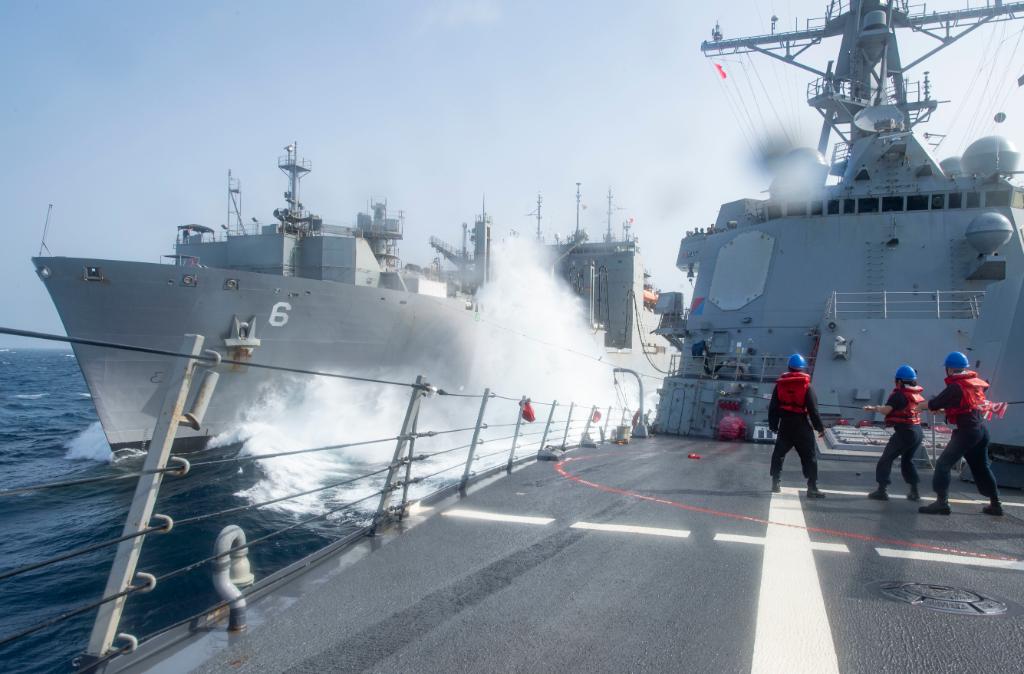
942	598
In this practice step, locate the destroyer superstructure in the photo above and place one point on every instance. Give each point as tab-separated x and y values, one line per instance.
882	255
306	294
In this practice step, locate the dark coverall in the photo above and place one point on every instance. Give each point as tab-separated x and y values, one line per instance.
904	443
969	441
794	432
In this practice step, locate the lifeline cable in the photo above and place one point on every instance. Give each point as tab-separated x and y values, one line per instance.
179	523
164	352
199	464
261	539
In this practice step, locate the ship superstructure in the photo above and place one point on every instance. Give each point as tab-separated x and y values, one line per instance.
880	256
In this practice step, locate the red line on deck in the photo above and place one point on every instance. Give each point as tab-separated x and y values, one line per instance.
560	467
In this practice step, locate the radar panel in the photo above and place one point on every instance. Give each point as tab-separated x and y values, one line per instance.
741	270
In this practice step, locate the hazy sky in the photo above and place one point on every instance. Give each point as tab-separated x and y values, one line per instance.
127	115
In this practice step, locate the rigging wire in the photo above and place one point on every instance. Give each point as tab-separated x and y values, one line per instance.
762	123
771	102
733	110
1003	79
982	102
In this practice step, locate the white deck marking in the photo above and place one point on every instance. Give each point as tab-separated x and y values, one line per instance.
738	538
964	501
760	540
793	631
496	517
630	529
951	559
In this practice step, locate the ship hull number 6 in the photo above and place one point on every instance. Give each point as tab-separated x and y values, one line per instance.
279	314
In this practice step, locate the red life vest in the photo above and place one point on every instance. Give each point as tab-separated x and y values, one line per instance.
972	395
792	390
909	414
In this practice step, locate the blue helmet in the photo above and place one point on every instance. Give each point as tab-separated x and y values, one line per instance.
957	361
797	362
906	373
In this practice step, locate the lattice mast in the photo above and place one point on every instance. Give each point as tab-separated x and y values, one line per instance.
865	89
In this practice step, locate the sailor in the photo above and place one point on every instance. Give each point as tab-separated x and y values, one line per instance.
902	415
793	403
964	401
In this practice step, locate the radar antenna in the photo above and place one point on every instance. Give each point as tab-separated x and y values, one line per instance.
608	236
296	169
868	71
536	213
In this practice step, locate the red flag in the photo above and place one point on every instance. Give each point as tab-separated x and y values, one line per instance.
527	410
721	71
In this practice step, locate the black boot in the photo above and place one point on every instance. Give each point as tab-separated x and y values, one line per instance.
812	490
776	484
995	508
912	495
939	507
879	494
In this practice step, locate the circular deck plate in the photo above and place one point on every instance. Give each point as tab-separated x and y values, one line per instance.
942	598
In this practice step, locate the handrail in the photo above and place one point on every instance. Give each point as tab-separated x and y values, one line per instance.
905	304
473	466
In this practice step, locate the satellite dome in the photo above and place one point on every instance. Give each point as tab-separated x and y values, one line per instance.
990	155
989	232
951	167
798	173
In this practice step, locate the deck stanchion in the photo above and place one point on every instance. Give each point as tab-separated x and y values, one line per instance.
408	465
412	413
607	420
568	423
547	426
140	513
585	438
515	440
475	441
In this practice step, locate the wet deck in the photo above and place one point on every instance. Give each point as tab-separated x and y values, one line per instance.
636	558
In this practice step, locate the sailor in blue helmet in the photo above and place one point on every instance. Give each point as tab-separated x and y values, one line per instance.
793	404
902	415
964	401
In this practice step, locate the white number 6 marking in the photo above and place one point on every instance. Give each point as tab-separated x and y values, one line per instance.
279	315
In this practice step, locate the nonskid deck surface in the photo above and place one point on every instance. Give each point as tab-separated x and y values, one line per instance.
636	558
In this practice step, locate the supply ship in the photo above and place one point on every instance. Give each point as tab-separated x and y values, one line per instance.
305	294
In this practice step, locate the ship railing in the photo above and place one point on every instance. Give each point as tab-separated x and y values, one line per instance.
427	465
744	367
857	92
952	304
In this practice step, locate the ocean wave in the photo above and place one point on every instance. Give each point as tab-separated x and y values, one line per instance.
85	395
89	445
31	396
